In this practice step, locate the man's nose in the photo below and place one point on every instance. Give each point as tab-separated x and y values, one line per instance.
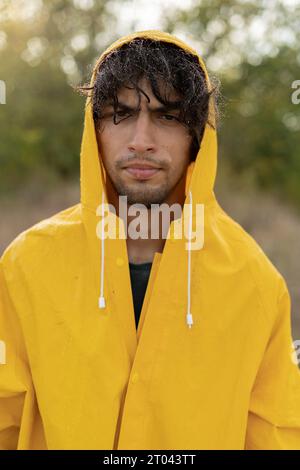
142	134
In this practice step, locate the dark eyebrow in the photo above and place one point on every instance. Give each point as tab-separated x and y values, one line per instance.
163	108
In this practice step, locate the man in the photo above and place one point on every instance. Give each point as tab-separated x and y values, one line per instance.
210	363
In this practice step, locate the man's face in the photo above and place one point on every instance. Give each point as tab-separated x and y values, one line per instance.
144	137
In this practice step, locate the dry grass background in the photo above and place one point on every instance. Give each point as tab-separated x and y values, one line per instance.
275	226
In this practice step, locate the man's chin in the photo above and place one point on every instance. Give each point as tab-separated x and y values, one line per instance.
146	201
145	198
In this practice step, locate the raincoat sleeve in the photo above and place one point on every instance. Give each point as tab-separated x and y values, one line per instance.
274	412
14	376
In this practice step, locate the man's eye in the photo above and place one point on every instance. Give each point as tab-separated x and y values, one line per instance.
122	113
170	116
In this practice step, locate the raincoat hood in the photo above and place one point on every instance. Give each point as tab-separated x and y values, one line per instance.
200	176
210	365
93	181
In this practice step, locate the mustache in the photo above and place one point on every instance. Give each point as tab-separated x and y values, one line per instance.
127	160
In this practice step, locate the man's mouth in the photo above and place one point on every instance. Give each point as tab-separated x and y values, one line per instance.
141	172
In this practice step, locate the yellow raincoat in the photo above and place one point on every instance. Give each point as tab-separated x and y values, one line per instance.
77	376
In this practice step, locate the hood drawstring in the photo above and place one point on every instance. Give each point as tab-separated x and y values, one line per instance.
189	317
101	300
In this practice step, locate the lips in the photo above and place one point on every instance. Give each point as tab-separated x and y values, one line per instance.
141	172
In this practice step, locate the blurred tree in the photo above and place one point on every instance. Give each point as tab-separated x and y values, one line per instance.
253	47
45	46
261	136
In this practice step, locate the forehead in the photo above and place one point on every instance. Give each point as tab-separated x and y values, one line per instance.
130	94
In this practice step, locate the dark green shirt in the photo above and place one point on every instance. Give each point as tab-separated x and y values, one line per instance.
139	276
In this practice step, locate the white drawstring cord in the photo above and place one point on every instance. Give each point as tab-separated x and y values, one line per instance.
101	300
189	317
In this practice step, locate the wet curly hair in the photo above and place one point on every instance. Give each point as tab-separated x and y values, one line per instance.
162	63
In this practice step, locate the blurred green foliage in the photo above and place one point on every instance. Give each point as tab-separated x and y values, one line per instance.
253	47
41	55
262	133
